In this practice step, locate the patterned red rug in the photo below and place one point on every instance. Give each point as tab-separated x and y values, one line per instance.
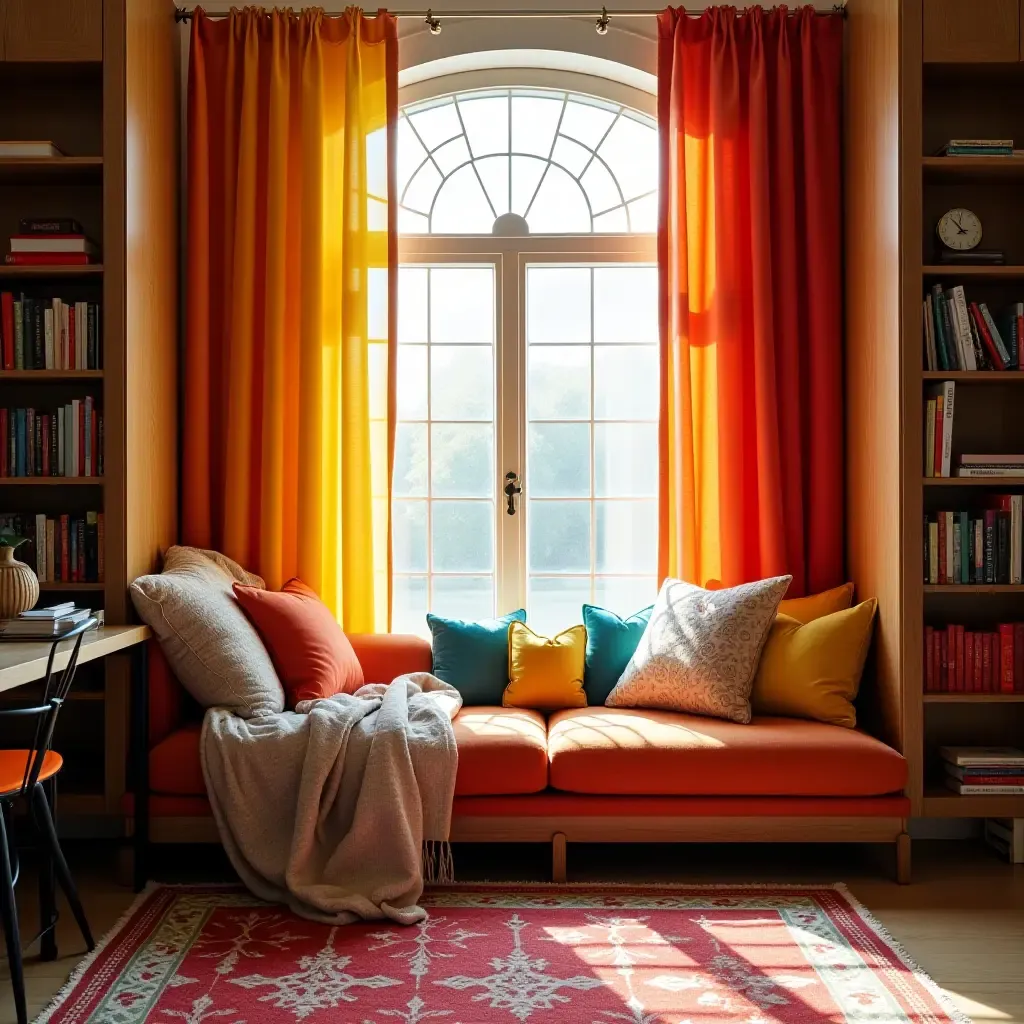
559	954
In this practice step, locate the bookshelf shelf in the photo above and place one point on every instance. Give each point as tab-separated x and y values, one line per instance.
991	272
56	585
973	481
22	170
976	376
943	803
959	167
973	698
973	588
42	376
51	481
82	270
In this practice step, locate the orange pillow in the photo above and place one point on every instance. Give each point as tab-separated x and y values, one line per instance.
312	655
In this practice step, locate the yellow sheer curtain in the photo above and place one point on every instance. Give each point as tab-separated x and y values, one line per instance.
289	369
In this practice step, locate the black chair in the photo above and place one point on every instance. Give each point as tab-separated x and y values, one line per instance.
32	774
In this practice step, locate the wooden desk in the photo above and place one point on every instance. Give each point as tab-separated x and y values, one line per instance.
22	663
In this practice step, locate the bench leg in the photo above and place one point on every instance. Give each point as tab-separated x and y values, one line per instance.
558	857
903	858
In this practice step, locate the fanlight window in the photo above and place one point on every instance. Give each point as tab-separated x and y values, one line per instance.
516	161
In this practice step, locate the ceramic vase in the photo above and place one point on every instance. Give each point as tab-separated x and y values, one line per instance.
19	588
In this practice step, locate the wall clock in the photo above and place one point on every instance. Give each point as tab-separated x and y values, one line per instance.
959	230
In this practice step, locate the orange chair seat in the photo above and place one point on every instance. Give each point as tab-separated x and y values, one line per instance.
502	751
12	768
628	751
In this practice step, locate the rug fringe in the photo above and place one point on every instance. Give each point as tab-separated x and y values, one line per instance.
438	865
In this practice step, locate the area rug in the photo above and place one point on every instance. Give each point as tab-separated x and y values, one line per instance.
564	954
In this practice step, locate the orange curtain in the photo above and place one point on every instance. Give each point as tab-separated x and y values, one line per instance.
749	236
292	254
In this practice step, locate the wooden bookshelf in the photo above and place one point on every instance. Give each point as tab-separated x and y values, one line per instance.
90	84
920	72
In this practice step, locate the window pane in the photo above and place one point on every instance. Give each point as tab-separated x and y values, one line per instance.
410	479
534	120
411	382
409	536
555	603
462	536
420	192
626	460
571	155
462	460
462	305
557	305
631	151
626	305
600	187
559	460
461	382
461	208
412	304
614	220
627	536
463	597
559	206
626	382
408	607
558	382
486	123
493	171
559	533
451	155
526	175
625	595
585	122
643	214
410	153
436	124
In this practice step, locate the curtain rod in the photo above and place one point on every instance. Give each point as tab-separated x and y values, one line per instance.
432	20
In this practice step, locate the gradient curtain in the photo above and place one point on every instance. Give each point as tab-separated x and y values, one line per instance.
749	247
289	365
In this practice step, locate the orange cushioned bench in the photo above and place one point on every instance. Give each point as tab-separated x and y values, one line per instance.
591	774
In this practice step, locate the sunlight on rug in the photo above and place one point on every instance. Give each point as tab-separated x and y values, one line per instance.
564	954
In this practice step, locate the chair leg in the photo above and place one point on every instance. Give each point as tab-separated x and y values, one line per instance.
45	823
47	887
12	935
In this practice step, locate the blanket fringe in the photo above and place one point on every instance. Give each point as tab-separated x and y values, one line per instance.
438	866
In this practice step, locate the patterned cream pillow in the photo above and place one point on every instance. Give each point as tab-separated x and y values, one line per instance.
700	650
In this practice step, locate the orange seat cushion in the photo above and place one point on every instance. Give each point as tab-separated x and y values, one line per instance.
12	768
502	751
638	752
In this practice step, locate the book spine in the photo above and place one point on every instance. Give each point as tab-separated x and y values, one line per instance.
941	517
50	560
7	326
990	546
1019	310
952	347
19	336
929	438
1002	547
81	551
997	338
87	432
958	632
930	362
957	569
1006	657
948	394
41	547
962	326
990	347
979	550
986	663
65	548
929	651
979	657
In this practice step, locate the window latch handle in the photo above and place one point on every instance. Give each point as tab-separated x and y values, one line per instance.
512	489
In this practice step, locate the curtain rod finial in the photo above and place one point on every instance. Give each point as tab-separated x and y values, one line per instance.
432	23
602	22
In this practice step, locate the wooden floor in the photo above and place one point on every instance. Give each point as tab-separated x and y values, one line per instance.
962	919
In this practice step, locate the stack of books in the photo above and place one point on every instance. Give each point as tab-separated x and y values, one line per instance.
938	429
959	660
975	771
49	334
62	548
977	147
977	546
963	335
57	242
45	623
67	442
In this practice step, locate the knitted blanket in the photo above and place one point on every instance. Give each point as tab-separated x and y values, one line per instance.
334	809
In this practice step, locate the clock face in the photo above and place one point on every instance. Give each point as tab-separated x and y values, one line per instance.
959	229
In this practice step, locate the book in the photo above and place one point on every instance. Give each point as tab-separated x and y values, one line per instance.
47	259
991	471
43	629
1004	143
50	226
29	148
965	789
53	611
40	242
991	460
997	338
947	394
986	771
969	756
929	437
991	349
962	328
930	355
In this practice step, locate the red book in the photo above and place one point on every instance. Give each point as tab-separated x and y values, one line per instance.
958	632
929	652
1020	342
1005	657
969	661
46	444
979	657
996	780
81	438
986	338
942	548
65	568
7	320
940	682
1018	657
986	662
47	259
944	661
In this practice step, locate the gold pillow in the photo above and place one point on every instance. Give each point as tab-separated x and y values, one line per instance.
545	674
813	606
813	669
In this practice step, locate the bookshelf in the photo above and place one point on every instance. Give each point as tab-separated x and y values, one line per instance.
920	72
91	75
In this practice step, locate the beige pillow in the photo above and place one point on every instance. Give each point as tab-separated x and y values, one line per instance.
210	644
700	649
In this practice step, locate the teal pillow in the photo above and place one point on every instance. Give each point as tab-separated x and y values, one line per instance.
611	642
473	656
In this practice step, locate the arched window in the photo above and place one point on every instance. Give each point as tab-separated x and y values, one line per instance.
561	162
527	345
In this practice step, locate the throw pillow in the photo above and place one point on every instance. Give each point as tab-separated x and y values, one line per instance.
210	644
611	642
312	655
700	650
813	669
473	656
813	606
545	674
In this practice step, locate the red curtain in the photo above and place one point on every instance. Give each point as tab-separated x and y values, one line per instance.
749	238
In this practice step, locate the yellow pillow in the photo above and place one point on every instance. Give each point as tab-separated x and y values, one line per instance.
813	606
545	674
813	670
